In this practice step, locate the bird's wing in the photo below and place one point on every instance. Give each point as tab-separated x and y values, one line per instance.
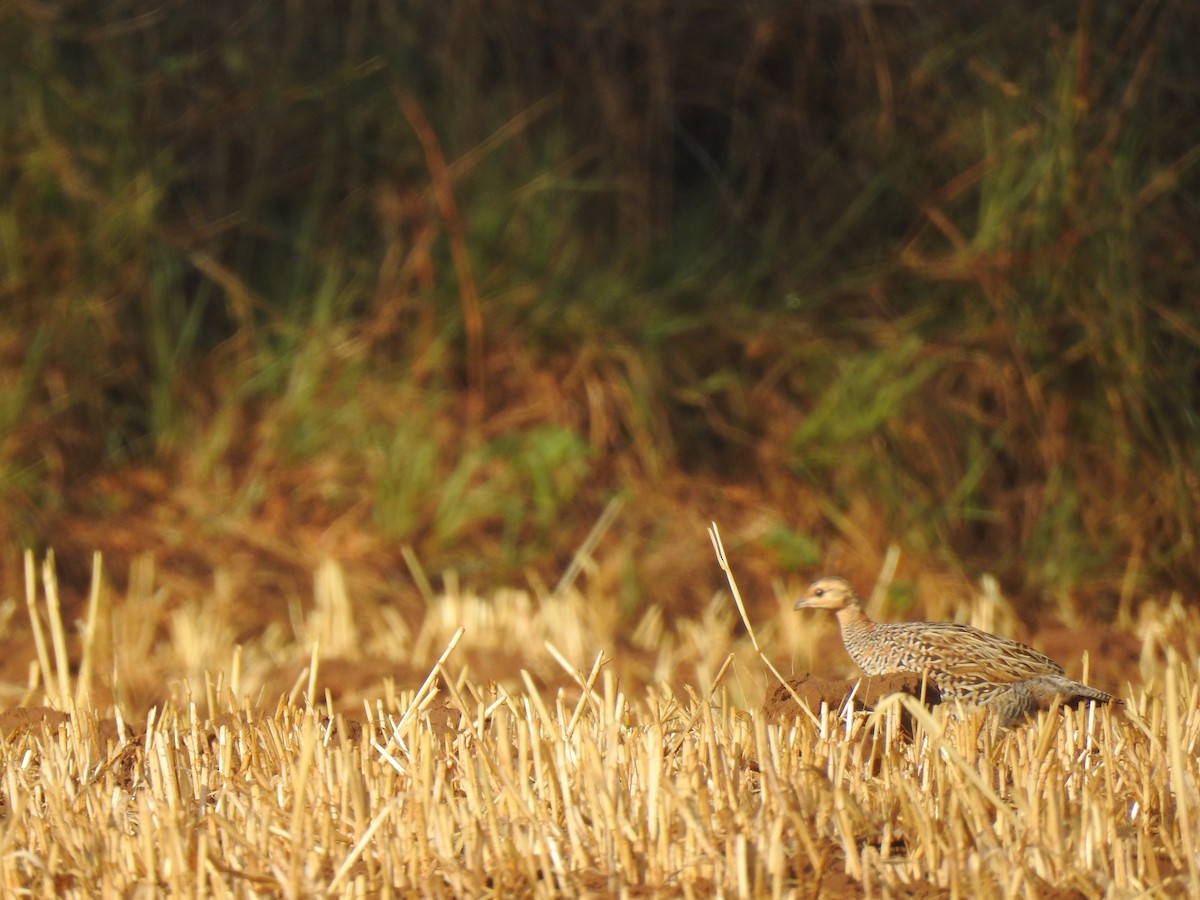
968	654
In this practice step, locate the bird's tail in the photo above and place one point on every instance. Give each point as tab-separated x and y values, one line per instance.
1071	693
1081	693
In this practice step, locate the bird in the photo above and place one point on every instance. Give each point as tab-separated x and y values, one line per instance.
972	667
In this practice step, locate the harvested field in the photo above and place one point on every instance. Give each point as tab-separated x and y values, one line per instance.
594	782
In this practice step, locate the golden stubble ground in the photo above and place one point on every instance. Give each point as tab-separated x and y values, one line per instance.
637	764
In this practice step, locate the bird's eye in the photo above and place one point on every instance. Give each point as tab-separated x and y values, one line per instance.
819	592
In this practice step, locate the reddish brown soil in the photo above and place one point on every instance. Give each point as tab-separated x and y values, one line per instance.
865	693
1113	654
22	718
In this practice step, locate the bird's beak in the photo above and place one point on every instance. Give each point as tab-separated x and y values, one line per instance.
802	603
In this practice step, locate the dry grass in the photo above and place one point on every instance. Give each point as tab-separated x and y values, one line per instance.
602	786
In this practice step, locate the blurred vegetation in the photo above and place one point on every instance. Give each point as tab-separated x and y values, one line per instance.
452	275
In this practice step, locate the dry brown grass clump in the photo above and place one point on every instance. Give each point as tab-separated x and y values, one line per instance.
465	787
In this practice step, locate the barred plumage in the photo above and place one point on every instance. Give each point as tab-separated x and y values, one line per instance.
966	664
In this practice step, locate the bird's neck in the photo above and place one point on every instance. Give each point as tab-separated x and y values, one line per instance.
853	620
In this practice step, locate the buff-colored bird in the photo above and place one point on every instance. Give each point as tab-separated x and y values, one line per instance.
966	664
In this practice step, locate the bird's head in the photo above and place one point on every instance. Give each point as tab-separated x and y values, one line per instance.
830	592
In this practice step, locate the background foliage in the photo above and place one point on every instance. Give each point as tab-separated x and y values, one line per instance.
288	281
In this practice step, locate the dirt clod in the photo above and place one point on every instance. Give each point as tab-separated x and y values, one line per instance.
834	693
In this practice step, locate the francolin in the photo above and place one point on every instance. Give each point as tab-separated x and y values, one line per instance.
966	665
